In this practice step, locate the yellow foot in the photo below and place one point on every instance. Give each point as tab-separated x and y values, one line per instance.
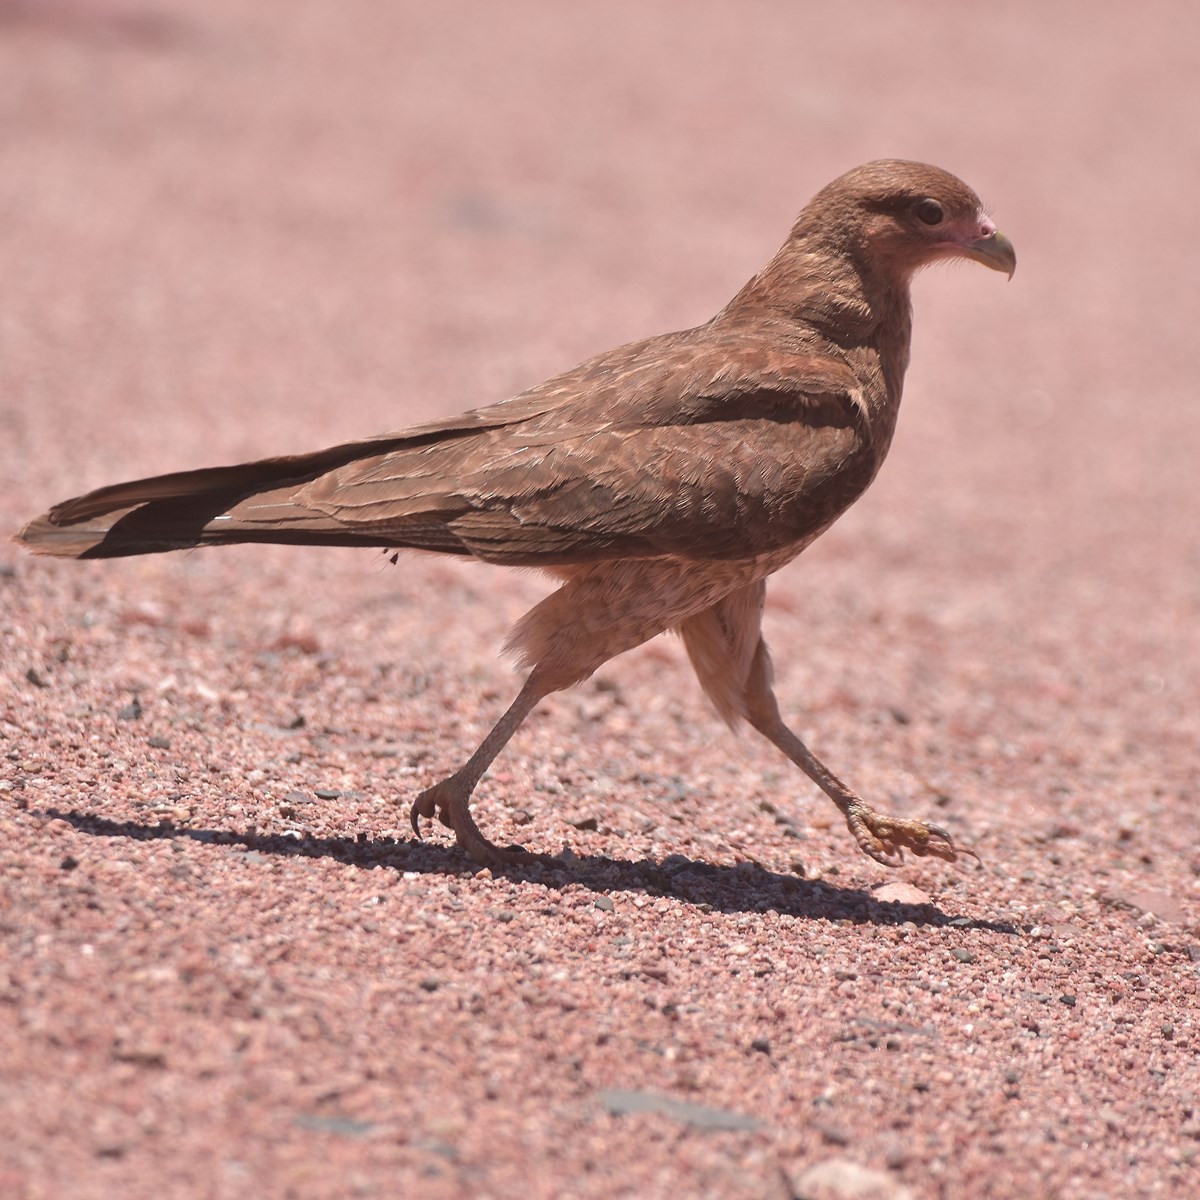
450	802
886	838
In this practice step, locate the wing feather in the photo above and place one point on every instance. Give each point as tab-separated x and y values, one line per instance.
651	464
713	443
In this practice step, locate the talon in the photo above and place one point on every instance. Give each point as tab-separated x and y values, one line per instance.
949	852
425	805
449	802
886	838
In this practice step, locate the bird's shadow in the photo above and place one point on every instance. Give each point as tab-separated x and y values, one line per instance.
746	887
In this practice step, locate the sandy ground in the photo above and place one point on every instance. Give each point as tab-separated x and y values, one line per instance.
230	230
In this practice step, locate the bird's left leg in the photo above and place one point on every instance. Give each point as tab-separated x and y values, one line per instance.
731	659
597	613
450	800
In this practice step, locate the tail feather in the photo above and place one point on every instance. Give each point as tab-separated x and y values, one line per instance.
249	502
179	524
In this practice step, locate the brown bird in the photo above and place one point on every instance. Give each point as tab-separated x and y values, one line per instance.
661	482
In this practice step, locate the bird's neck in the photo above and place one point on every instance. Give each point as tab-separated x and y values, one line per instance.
812	289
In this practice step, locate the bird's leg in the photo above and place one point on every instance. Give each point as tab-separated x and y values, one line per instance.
598	612
450	800
731	661
884	838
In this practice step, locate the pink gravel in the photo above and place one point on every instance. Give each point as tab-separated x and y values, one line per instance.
228	970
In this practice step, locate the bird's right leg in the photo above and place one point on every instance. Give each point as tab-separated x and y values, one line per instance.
883	837
734	667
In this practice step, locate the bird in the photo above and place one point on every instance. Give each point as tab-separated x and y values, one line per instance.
659	484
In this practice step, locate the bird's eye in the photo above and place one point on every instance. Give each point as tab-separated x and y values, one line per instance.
929	211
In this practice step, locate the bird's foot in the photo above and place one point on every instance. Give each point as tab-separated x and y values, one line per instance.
886	838
450	802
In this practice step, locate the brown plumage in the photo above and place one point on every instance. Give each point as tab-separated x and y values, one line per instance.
661	482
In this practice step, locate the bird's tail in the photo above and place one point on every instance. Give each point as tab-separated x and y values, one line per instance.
250	502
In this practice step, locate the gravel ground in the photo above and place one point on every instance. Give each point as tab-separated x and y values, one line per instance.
228	971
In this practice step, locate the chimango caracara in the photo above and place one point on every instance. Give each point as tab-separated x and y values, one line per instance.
660	483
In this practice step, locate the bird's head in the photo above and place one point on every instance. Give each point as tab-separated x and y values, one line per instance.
901	216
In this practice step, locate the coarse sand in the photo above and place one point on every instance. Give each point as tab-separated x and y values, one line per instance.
228	970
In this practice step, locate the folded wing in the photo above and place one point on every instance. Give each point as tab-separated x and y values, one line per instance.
676	446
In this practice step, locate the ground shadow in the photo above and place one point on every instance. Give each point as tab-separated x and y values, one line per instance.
746	887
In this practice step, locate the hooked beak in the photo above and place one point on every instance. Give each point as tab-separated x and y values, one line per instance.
994	250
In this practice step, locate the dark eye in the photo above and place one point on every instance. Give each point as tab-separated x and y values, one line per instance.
929	211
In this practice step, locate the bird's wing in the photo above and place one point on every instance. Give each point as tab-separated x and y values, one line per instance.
708	444
689	451
244	478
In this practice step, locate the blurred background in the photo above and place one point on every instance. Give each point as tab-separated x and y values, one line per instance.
230	230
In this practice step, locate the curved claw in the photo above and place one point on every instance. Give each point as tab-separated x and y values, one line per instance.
886	838
425	805
946	848
450	804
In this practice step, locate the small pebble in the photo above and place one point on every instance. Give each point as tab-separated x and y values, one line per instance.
898	892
